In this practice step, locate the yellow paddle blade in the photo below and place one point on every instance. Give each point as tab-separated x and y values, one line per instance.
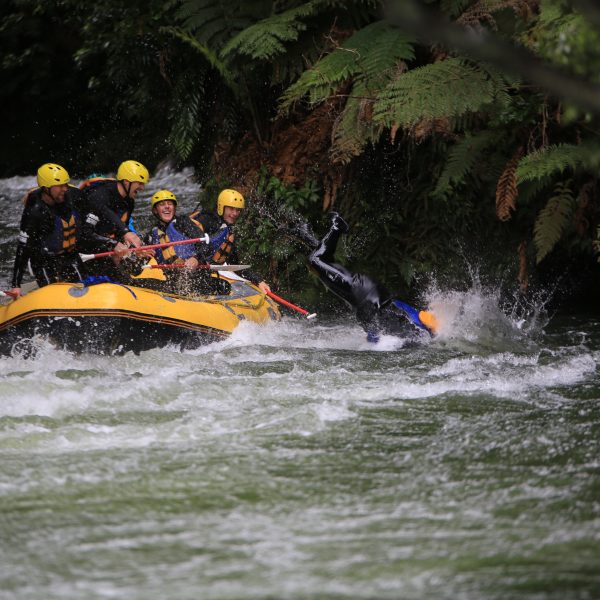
429	320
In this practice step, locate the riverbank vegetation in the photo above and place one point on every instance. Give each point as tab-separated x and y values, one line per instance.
442	130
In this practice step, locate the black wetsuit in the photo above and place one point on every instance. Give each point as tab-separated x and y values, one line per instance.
223	242
113	212
49	239
102	199
369	298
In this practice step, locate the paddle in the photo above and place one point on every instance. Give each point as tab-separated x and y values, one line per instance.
292	306
421	318
211	267
86	257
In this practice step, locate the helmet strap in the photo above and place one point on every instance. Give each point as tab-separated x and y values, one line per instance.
127	189
46	194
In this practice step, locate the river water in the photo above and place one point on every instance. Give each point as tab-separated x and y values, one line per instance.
297	461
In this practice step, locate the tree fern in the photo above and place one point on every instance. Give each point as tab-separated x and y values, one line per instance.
553	220
371	52
448	88
461	159
265	39
556	159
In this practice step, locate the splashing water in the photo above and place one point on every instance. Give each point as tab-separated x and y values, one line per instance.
481	317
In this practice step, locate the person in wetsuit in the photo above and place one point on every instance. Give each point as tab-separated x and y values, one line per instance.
108	206
50	231
220	226
372	302
167	227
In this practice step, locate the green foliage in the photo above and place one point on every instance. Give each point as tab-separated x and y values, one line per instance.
275	208
371	53
424	134
267	38
186	123
211	57
214	22
287	197
554	159
566	38
553	220
449	88
462	157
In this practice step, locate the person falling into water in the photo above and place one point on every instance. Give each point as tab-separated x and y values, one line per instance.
50	231
373	304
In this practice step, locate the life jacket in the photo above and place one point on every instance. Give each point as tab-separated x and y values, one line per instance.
221	242
63	237
222	245
172	253
124	215
93	181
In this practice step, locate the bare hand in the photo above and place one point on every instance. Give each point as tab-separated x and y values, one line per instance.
263	286
191	263
132	240
122	249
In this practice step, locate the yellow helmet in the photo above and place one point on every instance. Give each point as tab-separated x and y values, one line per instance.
51	174
132	170
161	196
229	198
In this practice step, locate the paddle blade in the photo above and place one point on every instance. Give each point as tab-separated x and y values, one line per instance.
423	319
429	320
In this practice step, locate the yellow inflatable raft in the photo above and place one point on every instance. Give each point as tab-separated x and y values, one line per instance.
111	318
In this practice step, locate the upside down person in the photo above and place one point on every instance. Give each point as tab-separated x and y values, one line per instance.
377	311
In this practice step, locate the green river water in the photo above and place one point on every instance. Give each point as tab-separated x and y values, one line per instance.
297	461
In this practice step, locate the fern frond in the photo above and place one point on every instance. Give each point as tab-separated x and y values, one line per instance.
211	57
354	127
506	189
553	220
373	52
448	88
265	40
461	159
556	159
214	22
185	119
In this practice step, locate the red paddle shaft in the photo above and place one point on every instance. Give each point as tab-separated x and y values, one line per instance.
290	305
86	257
